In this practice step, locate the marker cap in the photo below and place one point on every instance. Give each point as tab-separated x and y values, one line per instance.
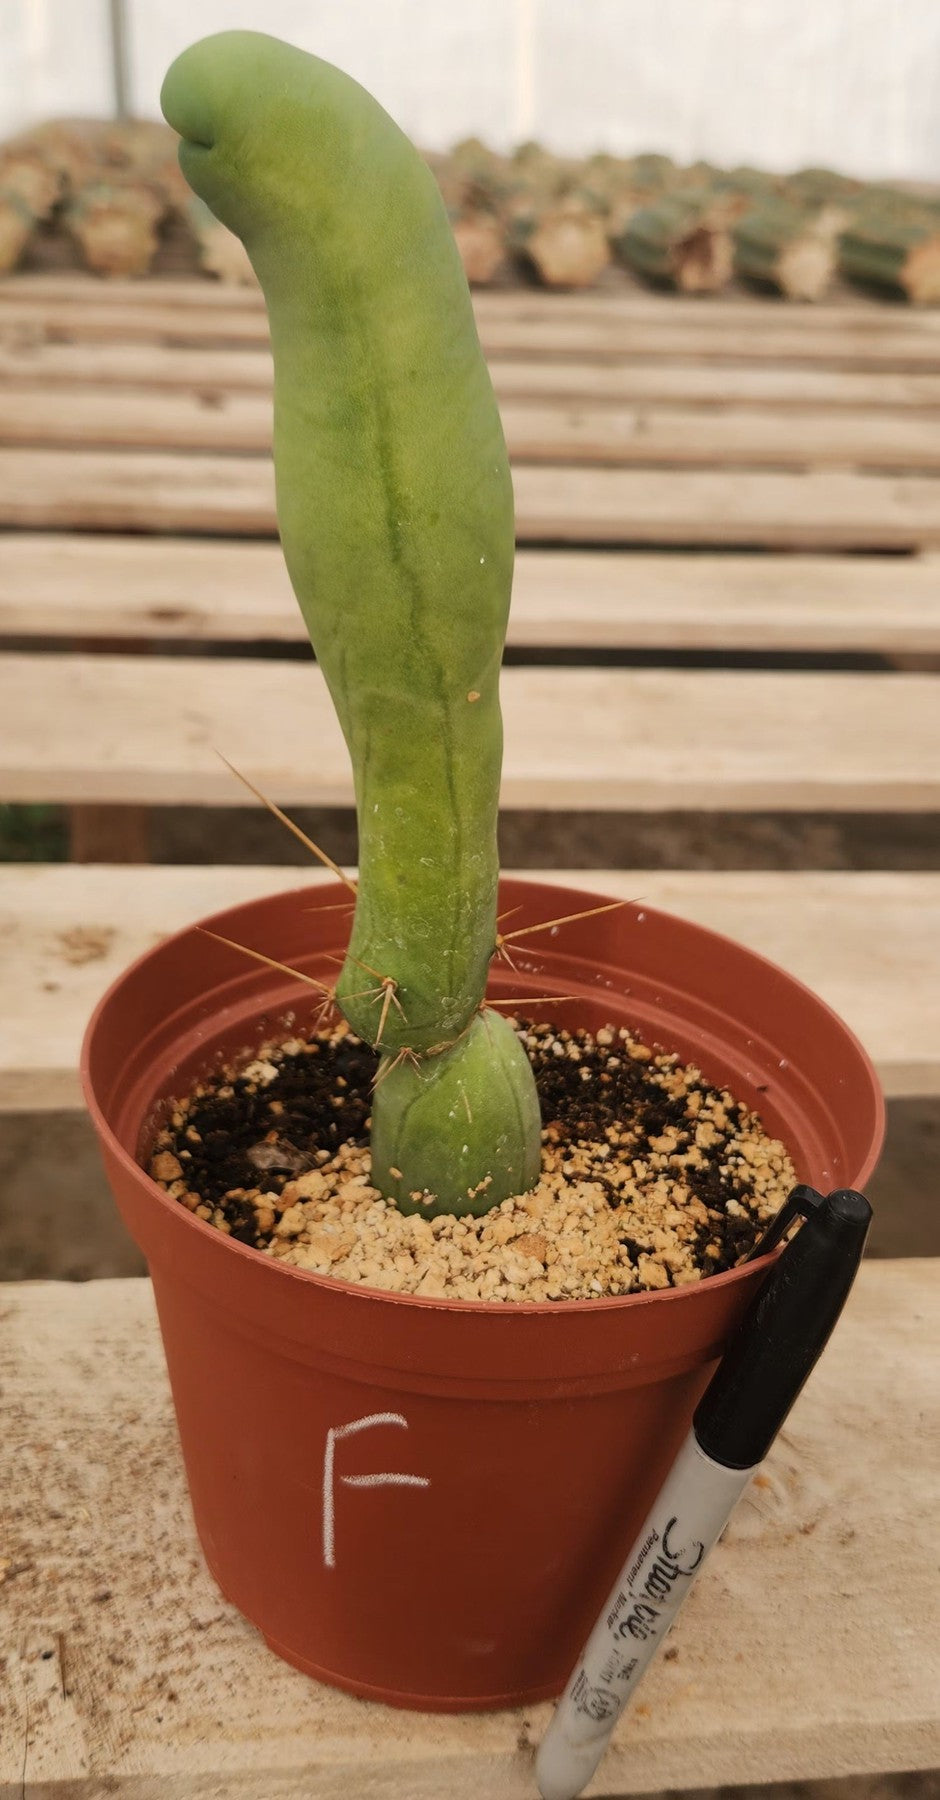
783	1333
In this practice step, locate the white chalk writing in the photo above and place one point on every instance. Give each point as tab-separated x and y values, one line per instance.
334	1436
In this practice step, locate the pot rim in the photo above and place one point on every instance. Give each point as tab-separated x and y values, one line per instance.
535	1309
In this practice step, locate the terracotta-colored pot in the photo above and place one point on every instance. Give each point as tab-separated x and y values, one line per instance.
419	1500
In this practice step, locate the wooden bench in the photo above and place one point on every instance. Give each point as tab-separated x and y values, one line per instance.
738	482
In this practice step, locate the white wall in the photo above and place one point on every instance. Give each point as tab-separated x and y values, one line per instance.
54	60
853	83
444	68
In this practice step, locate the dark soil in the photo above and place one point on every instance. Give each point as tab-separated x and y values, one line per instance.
239	1135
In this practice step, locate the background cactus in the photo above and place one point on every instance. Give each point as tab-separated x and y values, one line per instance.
394	503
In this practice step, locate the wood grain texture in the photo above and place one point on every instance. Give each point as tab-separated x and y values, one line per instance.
825	510
510	324
200	371
96	586
168	491
745	310
127	1673
123	730
624	380
861	311
866	942
184	291
537	431
735	341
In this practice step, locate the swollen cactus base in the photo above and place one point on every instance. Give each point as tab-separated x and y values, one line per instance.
471	1108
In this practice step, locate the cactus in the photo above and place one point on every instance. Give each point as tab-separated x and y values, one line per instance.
115	222
394	503
785	247
678	242
894	247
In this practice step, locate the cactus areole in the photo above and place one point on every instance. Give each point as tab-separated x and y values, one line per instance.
394	503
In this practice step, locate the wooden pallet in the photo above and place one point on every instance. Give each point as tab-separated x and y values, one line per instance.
679	457
711	478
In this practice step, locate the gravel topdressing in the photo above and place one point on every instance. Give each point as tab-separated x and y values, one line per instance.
651	1178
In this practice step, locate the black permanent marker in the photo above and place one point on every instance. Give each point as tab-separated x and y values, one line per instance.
747	1400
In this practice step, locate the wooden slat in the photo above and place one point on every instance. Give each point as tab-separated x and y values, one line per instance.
174	492
619	381
236	321
861	311
68	585
508	329
536	431
118	730
868	943
816	510
192	290
79	286
633	381
804	1651
716	312
149	491
114	418
749	437
202	371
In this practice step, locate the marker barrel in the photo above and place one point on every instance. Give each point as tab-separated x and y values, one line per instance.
760	1375
690	1512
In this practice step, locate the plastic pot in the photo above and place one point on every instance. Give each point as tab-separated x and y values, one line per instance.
426	1501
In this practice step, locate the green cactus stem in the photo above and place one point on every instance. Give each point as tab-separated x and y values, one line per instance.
394	503
786	248
897	250
437	1120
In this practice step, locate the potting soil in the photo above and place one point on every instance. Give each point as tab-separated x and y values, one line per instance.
651	1178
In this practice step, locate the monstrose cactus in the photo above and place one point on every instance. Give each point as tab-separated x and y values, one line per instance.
394	504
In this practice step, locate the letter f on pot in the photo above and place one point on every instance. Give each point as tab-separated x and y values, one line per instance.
335	1435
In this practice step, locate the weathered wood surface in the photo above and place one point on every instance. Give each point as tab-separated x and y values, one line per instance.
835	313
537	431
630	421
63	584
510	324
170	491
806	1649
124	730
860	310
865	942
618	380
